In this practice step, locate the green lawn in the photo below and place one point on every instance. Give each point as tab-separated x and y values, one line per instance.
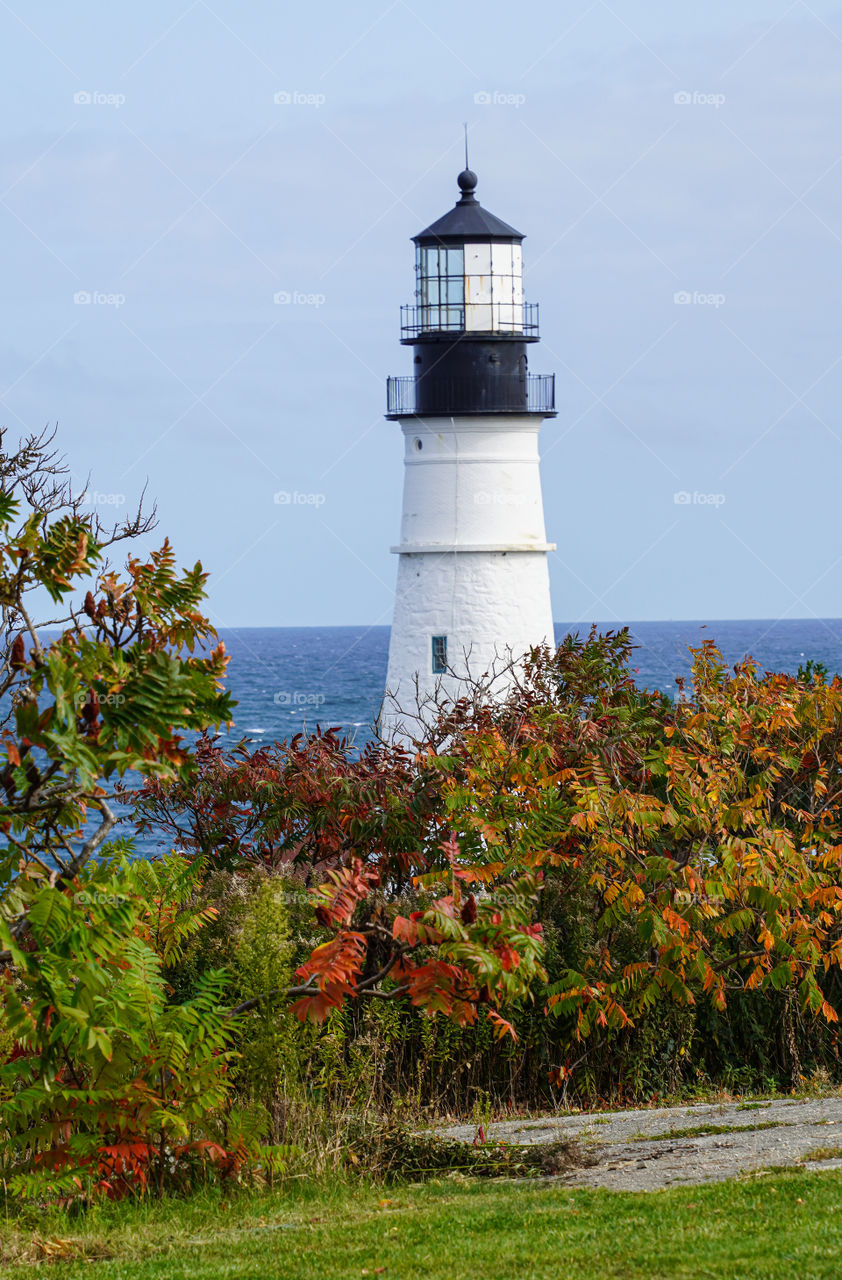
776	1227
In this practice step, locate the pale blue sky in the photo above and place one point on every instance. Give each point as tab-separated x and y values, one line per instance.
184	188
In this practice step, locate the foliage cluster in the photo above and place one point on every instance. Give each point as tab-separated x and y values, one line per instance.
584	889
106	1084
680	860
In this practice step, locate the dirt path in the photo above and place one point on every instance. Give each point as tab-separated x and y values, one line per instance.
647	1150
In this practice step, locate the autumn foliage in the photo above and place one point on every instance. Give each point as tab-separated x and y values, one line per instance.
366	835
557	874
700	837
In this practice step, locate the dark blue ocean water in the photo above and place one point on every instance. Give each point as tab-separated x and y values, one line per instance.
289	679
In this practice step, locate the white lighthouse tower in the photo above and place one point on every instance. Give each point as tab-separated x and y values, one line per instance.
473	588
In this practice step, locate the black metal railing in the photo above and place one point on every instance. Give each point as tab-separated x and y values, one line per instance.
401	397
540	392
503	317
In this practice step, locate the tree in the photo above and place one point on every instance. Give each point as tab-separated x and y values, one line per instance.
102	683
102	686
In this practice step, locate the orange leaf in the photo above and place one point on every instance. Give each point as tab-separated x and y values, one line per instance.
501	1026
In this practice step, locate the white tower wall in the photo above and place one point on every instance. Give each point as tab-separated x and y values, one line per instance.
473	557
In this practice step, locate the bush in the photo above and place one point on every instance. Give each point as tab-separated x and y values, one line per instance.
661	878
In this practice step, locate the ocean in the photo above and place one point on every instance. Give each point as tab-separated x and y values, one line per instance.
286	680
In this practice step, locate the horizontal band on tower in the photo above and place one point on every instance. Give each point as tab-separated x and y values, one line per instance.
463	459
443	548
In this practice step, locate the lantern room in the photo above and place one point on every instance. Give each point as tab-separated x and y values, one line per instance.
469	275
469	325
473	287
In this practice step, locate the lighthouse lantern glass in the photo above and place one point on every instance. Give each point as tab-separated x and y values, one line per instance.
494	288
441	286
477	288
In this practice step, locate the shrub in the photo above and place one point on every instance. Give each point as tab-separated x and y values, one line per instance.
110	1088
672	867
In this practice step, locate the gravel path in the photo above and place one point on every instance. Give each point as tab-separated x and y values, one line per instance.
647	1150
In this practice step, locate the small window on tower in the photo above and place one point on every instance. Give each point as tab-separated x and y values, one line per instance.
439	655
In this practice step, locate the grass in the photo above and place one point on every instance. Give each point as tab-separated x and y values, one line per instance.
824	1153
773	1228
702	1131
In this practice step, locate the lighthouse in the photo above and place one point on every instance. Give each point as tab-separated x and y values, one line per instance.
473	590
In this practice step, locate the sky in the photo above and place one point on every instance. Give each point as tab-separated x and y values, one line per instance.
206	212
